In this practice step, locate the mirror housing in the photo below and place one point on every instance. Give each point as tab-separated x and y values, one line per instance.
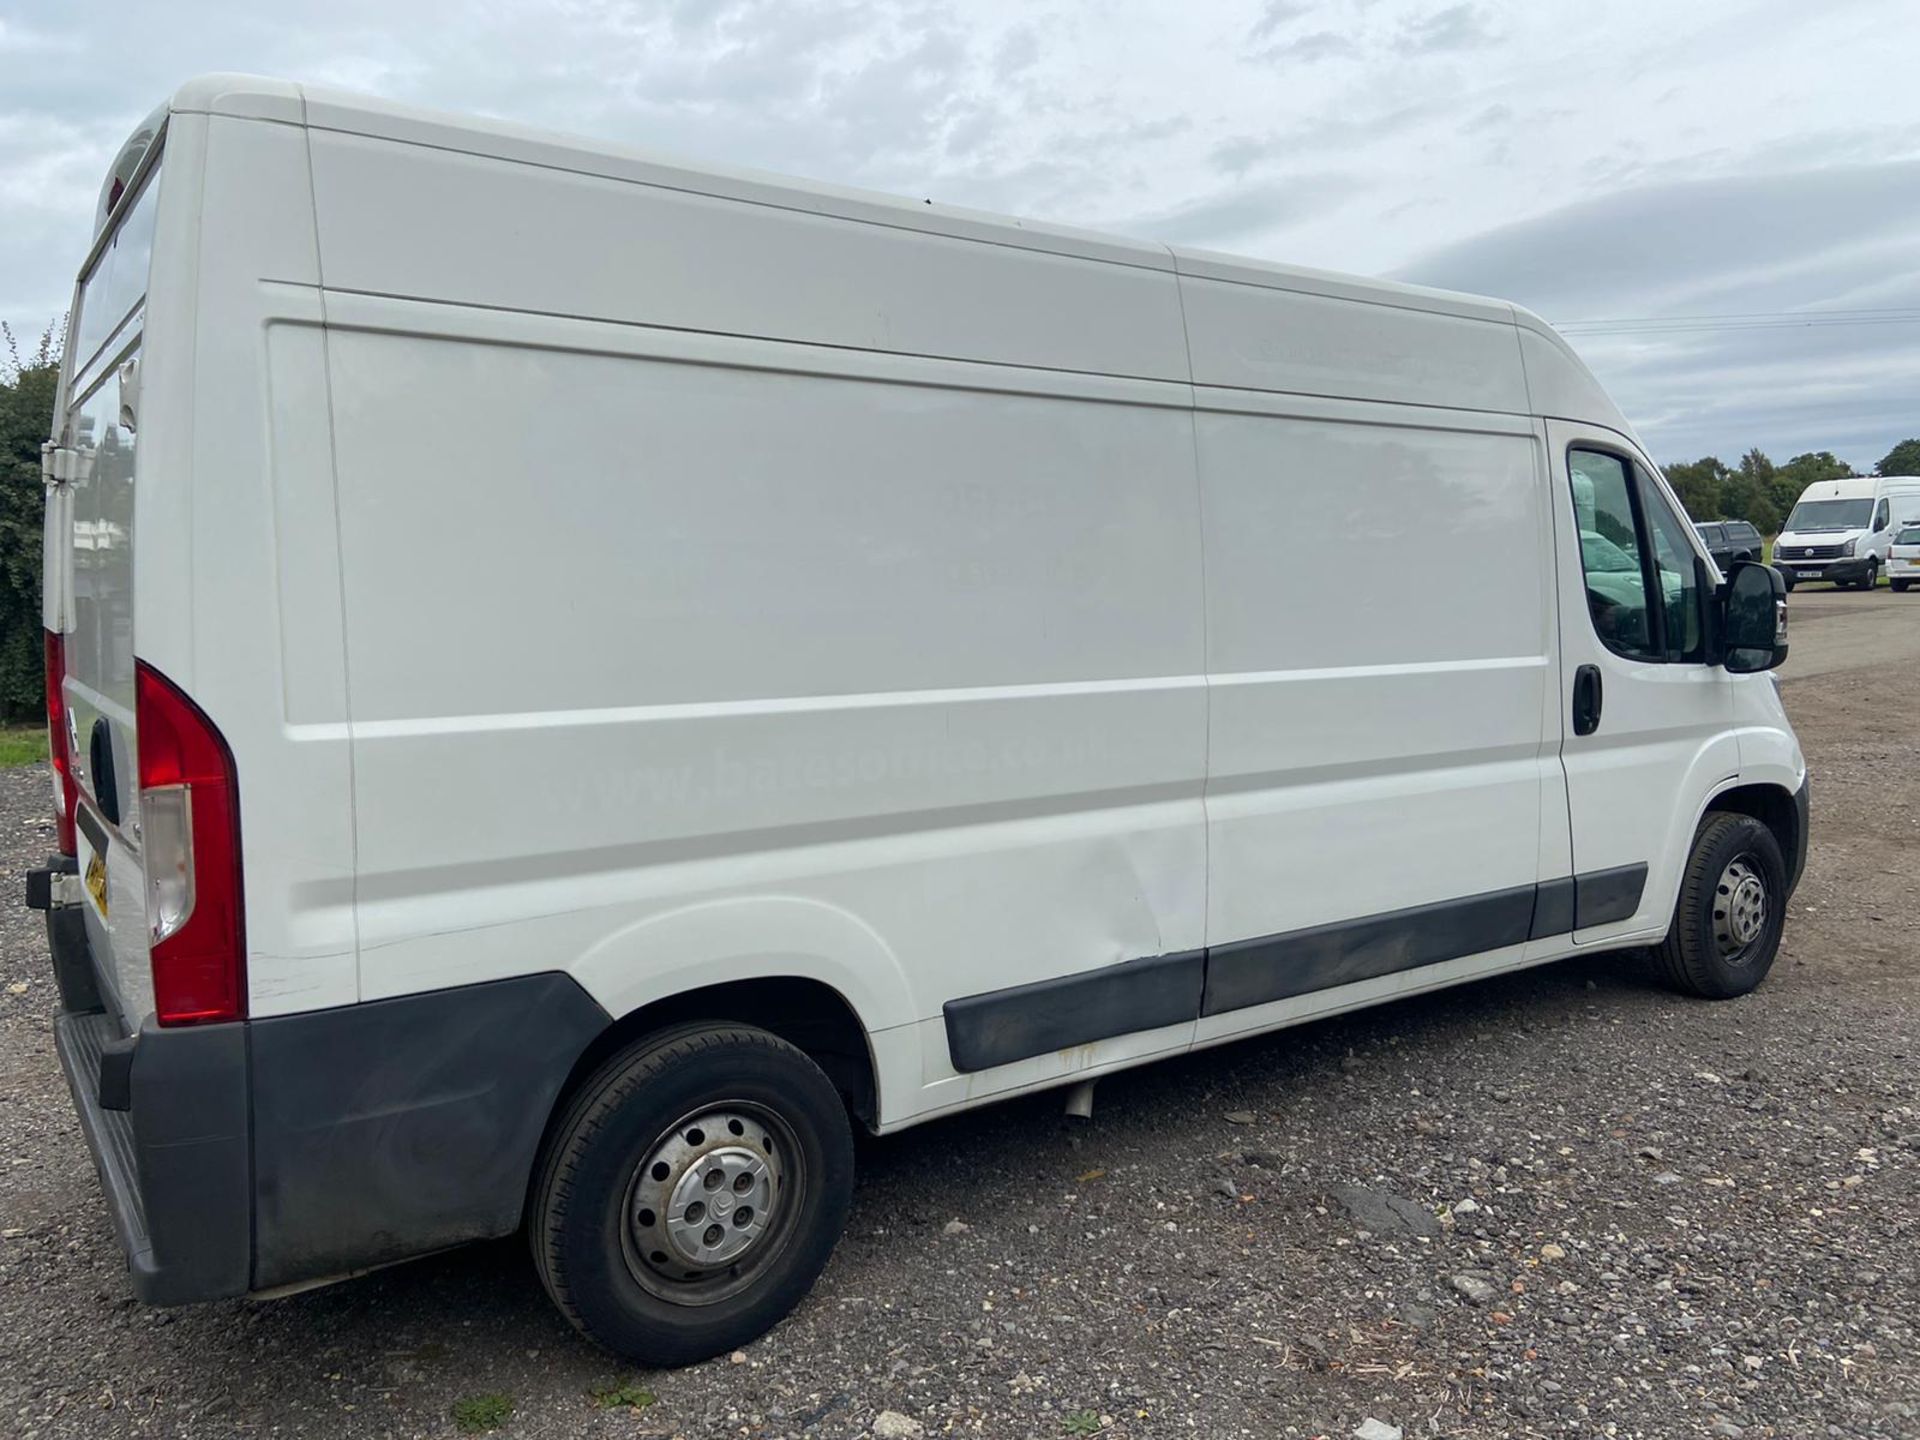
1753	618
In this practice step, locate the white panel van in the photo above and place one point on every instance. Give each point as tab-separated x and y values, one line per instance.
576	681
1842	530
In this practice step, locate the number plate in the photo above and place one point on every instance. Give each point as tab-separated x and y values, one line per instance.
1807	574
97	881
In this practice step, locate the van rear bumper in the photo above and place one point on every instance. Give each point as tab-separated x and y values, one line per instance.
173	1163
244	1157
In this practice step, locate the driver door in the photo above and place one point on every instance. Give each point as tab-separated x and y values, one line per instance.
1646	722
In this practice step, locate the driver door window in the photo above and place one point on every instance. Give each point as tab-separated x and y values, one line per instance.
1682	634
1643	585
1610	553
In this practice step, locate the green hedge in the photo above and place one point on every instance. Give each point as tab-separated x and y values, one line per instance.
26	409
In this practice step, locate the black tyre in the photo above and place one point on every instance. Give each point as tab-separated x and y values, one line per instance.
1873	576
1786	578
1899	587
691	1193
1732	906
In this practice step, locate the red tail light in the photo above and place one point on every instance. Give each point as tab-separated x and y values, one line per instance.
65	793
190	838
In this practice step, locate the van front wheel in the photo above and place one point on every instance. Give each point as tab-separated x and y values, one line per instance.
1732	907
691	1193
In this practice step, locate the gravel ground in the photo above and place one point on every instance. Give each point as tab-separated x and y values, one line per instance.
1562	1203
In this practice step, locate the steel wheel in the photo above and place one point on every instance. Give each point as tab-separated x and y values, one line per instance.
1739	909
708	1203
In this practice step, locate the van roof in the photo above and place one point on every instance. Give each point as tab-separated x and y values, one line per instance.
1559	381
1859	487
252	97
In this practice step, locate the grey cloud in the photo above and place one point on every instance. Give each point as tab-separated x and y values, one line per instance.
1311	48
1239	153
1017	52
1458	27
1276	16
1659	243
1336	132
1491	117
1766	245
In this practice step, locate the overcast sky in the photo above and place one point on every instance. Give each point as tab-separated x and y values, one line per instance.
1608	164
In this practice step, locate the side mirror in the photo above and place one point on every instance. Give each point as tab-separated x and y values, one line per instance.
1753	618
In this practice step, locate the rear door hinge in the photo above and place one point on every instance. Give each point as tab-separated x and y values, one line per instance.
58	463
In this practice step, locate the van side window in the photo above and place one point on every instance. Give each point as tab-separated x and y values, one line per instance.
1678	608
1611	554
1880	517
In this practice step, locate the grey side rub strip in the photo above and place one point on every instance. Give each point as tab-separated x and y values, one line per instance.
1253	972
1002	1026
1603	896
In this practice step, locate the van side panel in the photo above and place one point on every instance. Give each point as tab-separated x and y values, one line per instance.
1378	704
872	668
264	659
822	640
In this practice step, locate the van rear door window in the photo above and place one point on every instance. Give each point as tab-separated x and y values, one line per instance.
118	280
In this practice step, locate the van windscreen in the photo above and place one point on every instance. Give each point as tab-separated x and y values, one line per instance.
1830	515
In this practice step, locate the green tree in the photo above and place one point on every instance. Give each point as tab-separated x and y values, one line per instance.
1748	492
1803	470
26	409
1903	459
1698	483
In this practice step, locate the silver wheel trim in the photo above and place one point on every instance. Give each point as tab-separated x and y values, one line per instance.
1739	909
711	1201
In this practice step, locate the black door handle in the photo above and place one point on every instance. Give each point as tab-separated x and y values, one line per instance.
1586	700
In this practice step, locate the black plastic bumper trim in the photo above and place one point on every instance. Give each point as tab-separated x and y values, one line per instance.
174	1165
1603	896
265	1152
390	1128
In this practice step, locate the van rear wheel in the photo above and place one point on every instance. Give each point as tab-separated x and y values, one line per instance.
1732	907
692	1192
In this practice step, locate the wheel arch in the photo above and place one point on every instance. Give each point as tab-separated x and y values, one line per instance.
1774	806
808	1014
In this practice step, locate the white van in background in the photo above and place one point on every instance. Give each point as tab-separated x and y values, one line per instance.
1903	559
575	679
1841	530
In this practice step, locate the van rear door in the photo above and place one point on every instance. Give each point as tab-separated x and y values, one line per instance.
89	588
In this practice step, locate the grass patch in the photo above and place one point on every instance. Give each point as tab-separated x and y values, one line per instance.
22	745
630	1395
478	1414
1082	1422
